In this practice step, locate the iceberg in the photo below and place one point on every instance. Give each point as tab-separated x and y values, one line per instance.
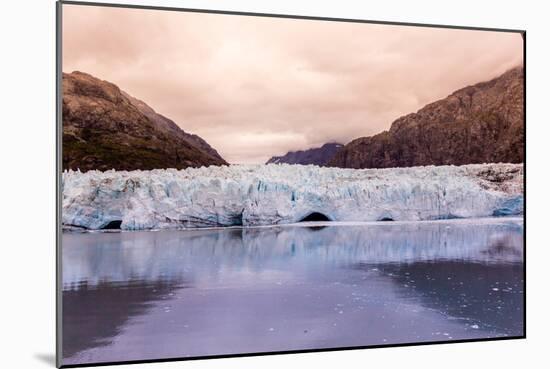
256	195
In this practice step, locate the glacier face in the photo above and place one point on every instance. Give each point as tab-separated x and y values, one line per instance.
280	194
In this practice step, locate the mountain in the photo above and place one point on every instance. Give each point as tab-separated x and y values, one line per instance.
105	128
483	123
318	156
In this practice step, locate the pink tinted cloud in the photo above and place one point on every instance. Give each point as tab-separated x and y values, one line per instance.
254	87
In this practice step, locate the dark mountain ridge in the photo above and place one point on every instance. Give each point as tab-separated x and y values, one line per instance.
483	123
318	156
105	128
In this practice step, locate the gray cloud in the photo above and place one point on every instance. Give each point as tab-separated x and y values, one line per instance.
255	87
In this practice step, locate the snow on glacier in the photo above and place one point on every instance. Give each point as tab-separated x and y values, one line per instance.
281	194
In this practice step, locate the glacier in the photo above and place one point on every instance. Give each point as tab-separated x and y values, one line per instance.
256	195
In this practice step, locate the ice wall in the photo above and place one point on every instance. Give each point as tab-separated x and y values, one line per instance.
280	194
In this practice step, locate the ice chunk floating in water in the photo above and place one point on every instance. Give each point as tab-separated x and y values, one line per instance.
281	194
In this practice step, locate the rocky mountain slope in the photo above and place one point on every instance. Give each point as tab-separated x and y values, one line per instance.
318	156
105	128
483	123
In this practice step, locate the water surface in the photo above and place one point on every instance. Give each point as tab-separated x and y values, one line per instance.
168	294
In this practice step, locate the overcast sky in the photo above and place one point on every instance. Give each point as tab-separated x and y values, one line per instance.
254	87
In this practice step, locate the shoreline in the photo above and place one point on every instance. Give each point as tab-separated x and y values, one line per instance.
314	224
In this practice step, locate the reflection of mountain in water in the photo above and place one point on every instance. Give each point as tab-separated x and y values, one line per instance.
93	315
491	295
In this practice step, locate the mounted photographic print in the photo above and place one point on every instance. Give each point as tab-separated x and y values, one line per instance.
240	184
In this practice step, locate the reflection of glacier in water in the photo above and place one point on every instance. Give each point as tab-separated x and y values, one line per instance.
148	295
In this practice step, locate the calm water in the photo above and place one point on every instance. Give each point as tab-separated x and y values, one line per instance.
150	295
